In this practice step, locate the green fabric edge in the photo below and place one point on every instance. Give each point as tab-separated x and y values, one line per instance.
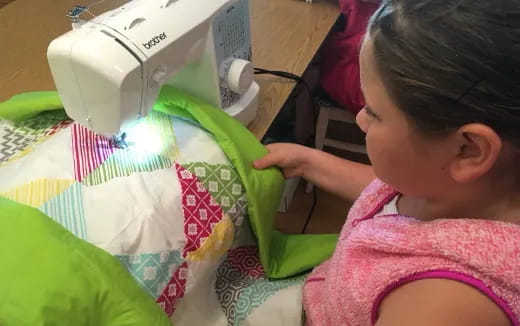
26	105
43	263
281	255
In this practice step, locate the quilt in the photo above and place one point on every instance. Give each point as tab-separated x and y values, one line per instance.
180	208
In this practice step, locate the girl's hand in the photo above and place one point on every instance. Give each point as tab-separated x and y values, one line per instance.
291	158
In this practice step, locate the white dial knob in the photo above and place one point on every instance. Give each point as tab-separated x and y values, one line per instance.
240	76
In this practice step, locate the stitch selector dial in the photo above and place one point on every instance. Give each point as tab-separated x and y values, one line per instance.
239	76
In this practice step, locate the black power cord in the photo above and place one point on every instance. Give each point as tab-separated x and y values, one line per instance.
284	74
287	75
314	201
298	79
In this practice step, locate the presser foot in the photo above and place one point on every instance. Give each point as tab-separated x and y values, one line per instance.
119	141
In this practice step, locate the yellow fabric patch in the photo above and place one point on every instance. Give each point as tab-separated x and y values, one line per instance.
217	244
35	193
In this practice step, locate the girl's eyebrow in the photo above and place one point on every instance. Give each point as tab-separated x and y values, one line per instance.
368	109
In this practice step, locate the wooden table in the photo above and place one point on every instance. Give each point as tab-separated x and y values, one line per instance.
26	29
285	35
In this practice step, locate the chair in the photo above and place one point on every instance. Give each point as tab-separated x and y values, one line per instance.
330	112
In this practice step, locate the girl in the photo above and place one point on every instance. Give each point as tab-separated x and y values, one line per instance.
434	237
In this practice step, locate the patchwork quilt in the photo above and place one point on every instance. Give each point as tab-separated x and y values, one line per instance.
174	208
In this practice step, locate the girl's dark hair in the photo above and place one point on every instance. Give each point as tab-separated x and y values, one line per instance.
447	63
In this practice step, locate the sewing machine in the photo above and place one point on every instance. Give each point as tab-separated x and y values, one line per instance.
109	70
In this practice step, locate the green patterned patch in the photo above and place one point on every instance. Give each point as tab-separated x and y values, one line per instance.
41	123
224	184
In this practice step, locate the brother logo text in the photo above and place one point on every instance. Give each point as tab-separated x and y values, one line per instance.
154	41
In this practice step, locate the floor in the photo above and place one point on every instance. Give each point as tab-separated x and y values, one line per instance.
328	215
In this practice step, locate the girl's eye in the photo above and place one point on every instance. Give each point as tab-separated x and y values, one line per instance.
370	113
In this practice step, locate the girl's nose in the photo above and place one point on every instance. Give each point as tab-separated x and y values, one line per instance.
362	120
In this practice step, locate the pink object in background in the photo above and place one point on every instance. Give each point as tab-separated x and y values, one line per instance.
340	55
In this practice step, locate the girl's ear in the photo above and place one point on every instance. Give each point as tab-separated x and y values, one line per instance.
478	148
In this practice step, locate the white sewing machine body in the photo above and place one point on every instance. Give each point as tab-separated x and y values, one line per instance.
108	71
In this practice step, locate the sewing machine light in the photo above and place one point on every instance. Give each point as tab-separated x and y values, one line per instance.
144	137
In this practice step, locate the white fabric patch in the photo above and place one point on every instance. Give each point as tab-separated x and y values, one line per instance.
200	305
196	144
140	213
282	309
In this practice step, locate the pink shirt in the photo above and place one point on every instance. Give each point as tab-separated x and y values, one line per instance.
375	255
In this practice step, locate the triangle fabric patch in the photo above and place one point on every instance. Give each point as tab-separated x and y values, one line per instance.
242	285
35	193
174	290
17	139
151	146
67	210
152	271
201	211
123	163
12	142
89	150
217	244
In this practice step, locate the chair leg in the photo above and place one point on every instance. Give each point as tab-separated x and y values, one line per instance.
308	187
321	127
321	133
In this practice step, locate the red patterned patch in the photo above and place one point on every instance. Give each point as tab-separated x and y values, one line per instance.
174	290
201	211
89	150
61	125
245	259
